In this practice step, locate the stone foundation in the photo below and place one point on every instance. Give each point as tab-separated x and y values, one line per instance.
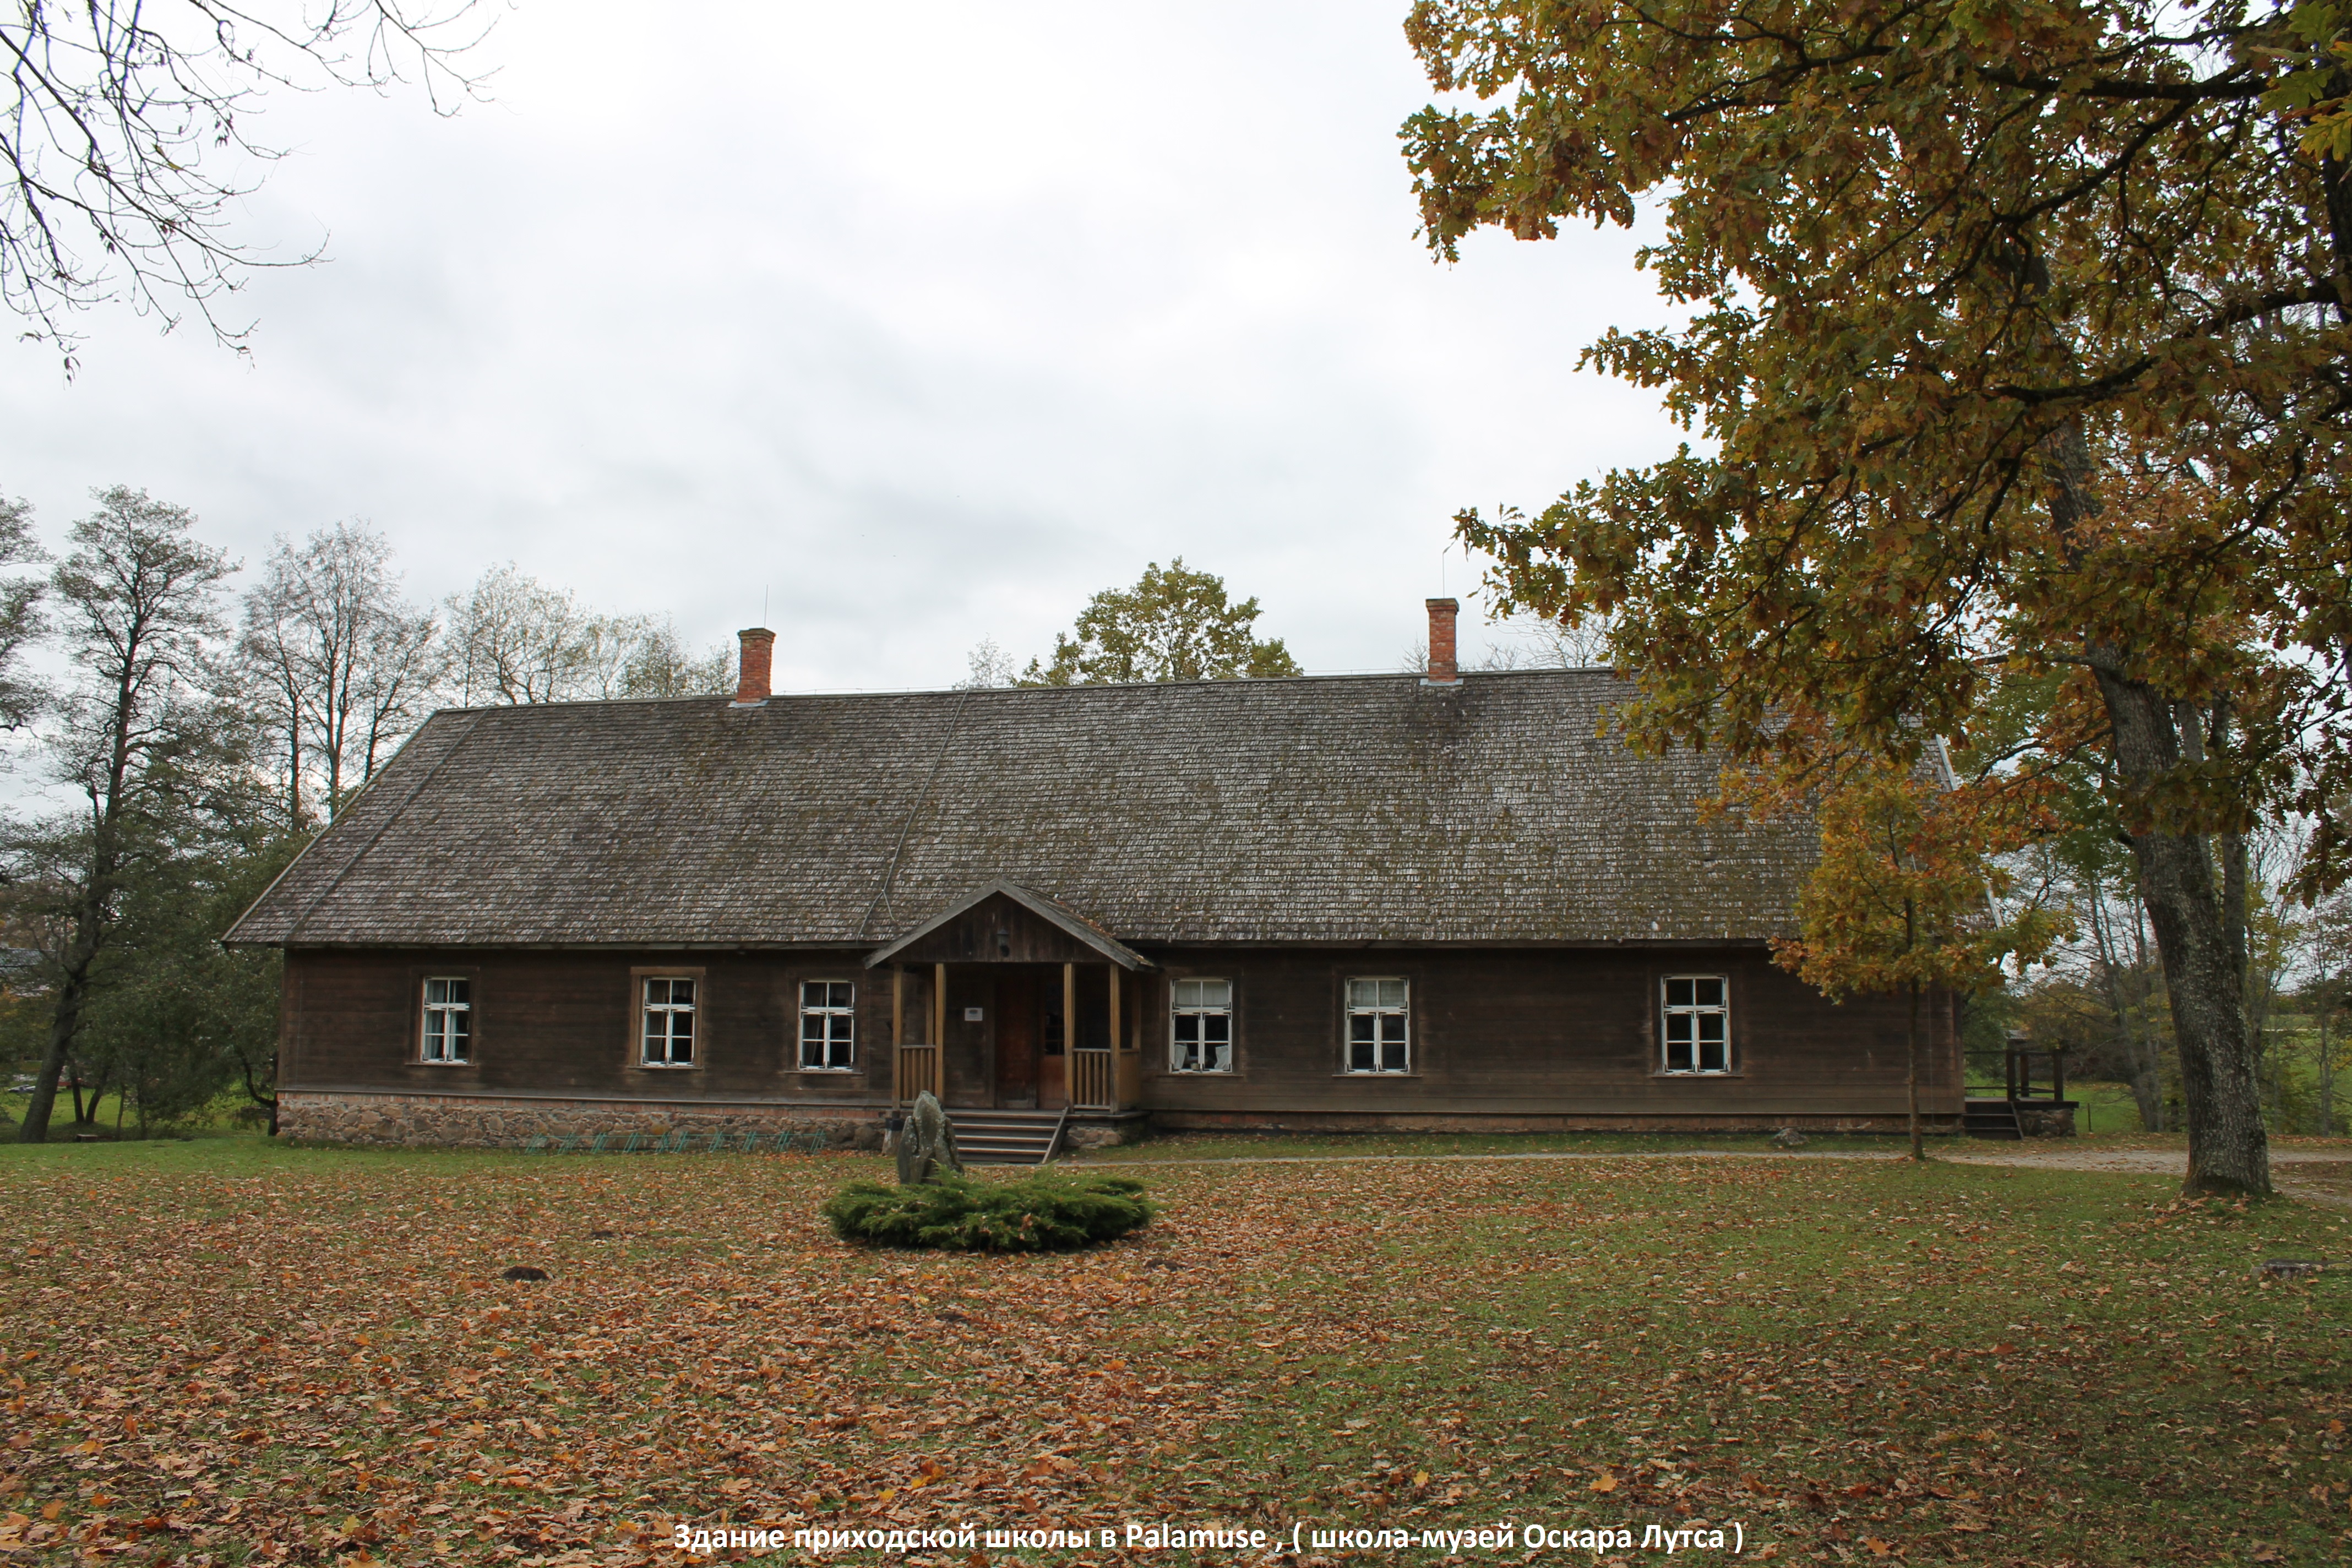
499	1122
1107	1133
1455	1122
2046	1121
484	1122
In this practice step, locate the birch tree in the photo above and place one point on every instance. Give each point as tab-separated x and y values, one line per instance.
348	668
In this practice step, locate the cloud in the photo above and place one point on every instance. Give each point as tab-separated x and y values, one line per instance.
924	321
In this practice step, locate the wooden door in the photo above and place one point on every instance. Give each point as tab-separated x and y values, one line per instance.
1016	1042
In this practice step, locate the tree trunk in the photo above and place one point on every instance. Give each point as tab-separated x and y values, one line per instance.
2327	1059
2147	1083
2228	1150
1911	1072
64	1023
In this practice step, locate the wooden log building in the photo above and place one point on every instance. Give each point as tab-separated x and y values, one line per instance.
1392	902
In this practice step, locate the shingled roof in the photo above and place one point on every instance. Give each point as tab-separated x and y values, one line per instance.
1327	809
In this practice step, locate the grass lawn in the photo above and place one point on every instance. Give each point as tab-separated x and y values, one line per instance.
229	1352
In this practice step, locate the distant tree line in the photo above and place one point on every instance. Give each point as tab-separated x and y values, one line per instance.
2101	996
198	737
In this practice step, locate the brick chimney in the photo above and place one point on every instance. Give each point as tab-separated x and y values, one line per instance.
759	654
1442	670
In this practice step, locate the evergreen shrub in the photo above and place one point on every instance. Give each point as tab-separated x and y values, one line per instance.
957	1214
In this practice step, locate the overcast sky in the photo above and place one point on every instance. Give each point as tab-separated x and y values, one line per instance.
924	321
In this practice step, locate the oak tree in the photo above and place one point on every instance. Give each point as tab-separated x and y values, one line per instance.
1901	900
1175	623
2016	345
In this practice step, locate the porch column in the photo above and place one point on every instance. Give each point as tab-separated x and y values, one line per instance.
1114	1009
939	1008
897	1034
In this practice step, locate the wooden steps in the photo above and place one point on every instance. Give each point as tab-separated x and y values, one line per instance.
1007	1137
1992	1119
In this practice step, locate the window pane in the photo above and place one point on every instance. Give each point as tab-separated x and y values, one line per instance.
1359	1055
1680	1055
1216	994
843	992
1714	1056
1391	993
1359	1025
1710	1028
681	992
1710	993
1364	993
1216	1026
1678	993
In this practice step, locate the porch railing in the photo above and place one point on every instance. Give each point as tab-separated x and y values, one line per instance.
1094	1080
915	1069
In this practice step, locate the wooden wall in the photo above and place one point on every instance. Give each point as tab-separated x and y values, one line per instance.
1493	1032
567	1022
1546	1032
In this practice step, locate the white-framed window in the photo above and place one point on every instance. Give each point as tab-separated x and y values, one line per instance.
1698	1024
1200	1027
668	1015
1380	1026
828	1025
449	1037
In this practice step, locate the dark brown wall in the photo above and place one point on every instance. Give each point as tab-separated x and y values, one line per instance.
1504	1032
559	1022
1557	1032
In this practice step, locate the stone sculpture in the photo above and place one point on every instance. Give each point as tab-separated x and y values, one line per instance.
927	1143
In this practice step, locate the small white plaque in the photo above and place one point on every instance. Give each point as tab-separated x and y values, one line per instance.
973	1014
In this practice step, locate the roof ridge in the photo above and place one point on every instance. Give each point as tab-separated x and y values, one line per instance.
1238	682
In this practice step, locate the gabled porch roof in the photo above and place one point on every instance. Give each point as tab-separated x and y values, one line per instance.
1067	921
